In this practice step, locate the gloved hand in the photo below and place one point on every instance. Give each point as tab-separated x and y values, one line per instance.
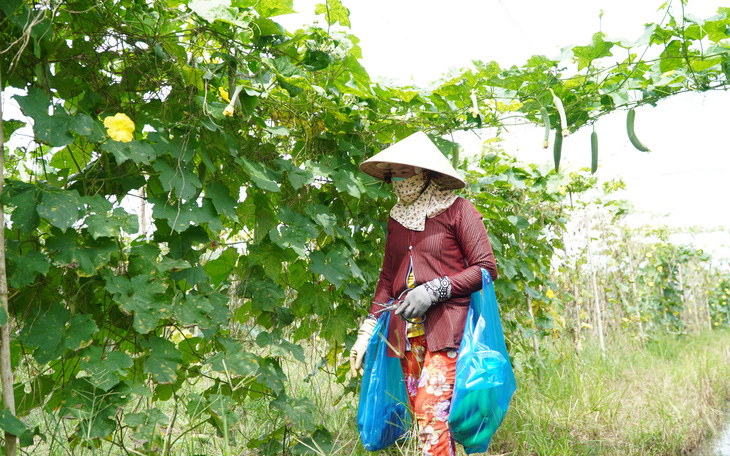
416	303
357	352
421	298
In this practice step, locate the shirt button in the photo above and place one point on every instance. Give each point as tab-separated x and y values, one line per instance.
410	247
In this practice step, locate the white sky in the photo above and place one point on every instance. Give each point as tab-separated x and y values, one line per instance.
683	182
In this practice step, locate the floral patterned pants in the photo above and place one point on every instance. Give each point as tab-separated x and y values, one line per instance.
429	380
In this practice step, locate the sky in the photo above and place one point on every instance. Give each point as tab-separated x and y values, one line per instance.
683	182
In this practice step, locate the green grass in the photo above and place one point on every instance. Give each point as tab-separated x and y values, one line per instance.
661	398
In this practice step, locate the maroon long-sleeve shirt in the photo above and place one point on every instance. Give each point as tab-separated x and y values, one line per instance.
453	244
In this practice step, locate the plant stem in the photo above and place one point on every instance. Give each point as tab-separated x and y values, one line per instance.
6	369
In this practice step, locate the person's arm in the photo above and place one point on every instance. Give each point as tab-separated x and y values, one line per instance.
474	242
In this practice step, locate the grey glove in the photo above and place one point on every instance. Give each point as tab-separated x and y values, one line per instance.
421	298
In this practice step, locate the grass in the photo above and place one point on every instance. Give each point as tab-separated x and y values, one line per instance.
662	398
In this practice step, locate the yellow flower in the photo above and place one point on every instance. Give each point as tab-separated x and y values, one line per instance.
550	294
660	269
561	190
648	254
224	94
228	111
119	127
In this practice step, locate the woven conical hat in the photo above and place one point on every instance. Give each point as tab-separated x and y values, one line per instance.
416	150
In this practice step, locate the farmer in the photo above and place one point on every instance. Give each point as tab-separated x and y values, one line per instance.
434	252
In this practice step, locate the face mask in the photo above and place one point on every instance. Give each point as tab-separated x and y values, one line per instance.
409	189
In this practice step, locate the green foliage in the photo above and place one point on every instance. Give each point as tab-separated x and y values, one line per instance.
263	232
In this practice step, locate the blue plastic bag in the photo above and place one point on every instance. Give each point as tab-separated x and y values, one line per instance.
485	381
383	414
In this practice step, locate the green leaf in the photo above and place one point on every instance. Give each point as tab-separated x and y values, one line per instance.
179	215
271	8
163	361
218	10
311	298
51	332
12	425
331	266
346	182
178	178
508	268
270	372
323	217
112	225
139	296
280	130
105	373
84	254
59	207
596	50
299	411
270	257
25	198
137	151
10	126
321	442
193	310
264	293
220	269
193	276
235	360
146	425
222	201
74	159
222	407
279	346
23	268
519	221
672	57
263	177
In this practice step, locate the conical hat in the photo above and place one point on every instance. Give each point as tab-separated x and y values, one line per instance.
416	150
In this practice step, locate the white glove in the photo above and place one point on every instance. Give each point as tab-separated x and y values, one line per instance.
357	352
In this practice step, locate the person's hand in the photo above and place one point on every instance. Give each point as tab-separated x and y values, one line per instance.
357	352
416	304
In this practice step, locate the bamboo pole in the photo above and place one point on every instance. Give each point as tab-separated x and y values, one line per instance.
596	298
6	368
535	345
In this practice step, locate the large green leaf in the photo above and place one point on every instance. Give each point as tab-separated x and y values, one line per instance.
105	370
24	268
598	48
137	151
221	198
262	176
163	361
112	225
332	266
179	179
142	296
52	332
59	207
82	253
25	198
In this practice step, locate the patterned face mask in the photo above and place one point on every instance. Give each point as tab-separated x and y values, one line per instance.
408	190
418	200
